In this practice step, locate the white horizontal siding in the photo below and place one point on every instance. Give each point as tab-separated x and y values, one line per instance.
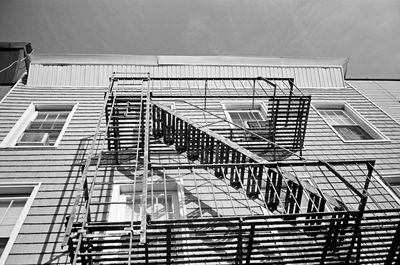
98	74
385	94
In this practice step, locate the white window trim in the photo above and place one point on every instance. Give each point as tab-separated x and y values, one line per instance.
378	136
243	106
313	183
22	216
15	133
117	213
390	181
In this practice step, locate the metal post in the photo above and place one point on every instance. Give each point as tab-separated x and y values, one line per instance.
394	247
250	245
168	246
205	94
239	244
143	225
357	223
254	93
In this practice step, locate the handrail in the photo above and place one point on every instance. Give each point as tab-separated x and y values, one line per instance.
86	167
225	120
218	137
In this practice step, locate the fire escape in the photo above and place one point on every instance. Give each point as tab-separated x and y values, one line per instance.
299	222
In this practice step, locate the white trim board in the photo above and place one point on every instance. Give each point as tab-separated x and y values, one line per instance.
22	216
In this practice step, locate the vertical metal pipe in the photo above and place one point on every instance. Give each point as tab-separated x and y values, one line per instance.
146	166
254	93
205	94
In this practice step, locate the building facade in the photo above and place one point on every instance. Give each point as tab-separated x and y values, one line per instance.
203	160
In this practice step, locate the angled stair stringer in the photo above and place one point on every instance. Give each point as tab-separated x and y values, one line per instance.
168	123
241	167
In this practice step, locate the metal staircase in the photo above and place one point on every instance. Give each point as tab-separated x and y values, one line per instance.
242	168
303	224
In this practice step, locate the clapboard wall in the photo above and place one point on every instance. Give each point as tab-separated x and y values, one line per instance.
58	169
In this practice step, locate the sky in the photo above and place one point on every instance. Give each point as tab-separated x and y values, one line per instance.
366	31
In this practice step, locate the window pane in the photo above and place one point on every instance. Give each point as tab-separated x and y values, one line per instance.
159	208
4	204
245	116
352	133
396	188
34	125
58	125
11	215
62	116
5	230
170	208
41	116
47	125
336	117
234	115
16	208
156	207
33	137
240	117
3	243
52	117
128	209
50	122
256	115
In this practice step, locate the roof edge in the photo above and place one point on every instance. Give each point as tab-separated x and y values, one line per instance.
93	59
186	60
251	61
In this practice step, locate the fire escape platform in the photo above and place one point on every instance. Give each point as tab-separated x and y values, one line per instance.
242	207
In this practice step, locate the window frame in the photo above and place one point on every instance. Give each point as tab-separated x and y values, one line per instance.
355	116
244	106
118	200
22	216
310	181
391	183
396	188
28	116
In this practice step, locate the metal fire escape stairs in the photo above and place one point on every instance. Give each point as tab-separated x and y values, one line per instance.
256	177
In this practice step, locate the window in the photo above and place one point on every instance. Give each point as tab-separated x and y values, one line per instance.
165	201
45	128
347	123
396	188
248	115
393	180
40	125
246	118
162	204
344	125
15	201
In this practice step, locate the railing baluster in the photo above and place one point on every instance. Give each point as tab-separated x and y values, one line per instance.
250	245
254	181
157	122
227	158
180	136
207	149
192	142
273	189
212	151
203	147
219	150
294	192
169	128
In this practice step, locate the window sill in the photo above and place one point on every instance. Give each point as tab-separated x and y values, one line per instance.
372	141
47	147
